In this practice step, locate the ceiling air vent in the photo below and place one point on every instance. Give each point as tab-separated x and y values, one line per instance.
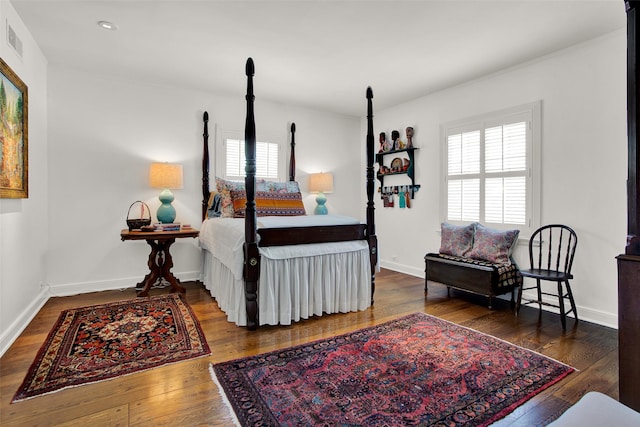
13	40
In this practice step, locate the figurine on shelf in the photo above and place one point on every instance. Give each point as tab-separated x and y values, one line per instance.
409	132
384	144
397	143
405	165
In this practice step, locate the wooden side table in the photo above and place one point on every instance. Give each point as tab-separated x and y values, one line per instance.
160	261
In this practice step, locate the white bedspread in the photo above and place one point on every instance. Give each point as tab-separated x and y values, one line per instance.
296	281
224	239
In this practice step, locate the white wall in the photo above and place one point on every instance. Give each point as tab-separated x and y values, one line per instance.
584	160
91	139
23	222
104	133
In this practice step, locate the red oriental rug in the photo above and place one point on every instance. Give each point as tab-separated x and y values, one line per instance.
101	342
418	370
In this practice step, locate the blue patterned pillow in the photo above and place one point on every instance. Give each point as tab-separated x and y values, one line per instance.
214	208
278	186
456	240
493	245
225	187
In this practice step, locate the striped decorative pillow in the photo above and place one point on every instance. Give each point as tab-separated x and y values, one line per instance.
268	203
225	187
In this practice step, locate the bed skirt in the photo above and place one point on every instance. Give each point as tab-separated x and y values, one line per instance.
294	288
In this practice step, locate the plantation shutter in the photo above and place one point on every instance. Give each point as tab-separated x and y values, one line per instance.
489	168
463	176
266	160
505	168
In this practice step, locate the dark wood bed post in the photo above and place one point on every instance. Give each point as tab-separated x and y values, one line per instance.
633	142
205	165
287	236
251	253
292	156
629	262
371	226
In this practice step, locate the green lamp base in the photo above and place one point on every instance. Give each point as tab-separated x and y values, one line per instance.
321	209
166	212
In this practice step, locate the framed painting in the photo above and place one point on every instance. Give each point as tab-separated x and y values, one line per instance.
14	152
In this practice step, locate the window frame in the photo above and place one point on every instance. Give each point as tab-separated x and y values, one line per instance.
531	113
221	155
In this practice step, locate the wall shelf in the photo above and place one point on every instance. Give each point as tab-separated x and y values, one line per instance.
409	171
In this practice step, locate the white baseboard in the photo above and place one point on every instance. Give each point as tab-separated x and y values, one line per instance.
63	290
402	268
587	314
22	321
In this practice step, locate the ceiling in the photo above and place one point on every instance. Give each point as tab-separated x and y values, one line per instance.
316	53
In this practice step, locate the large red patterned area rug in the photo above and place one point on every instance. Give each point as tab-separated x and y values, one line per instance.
100	342
418	370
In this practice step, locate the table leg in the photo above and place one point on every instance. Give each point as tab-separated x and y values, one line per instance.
148	280
160	264
166	268
154	270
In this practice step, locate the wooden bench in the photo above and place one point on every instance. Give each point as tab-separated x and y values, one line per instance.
470	275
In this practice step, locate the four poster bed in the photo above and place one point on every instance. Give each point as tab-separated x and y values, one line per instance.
265	261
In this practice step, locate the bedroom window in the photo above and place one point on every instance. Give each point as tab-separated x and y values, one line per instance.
266	160
492	169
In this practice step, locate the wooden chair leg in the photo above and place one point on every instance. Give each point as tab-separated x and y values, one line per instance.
519	300
563	315
539	288
571	300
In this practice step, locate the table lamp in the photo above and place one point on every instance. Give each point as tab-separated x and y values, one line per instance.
166	176
321	183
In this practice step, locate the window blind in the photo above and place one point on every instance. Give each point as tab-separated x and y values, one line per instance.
266	159
489	168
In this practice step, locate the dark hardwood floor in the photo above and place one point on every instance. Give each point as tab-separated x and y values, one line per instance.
183	394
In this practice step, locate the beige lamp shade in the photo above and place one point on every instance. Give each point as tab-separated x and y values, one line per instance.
321	183
165	175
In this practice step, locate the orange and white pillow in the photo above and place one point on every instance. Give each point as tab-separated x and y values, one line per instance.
225	187
269	203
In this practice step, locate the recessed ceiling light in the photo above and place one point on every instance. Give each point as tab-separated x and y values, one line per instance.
107	25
